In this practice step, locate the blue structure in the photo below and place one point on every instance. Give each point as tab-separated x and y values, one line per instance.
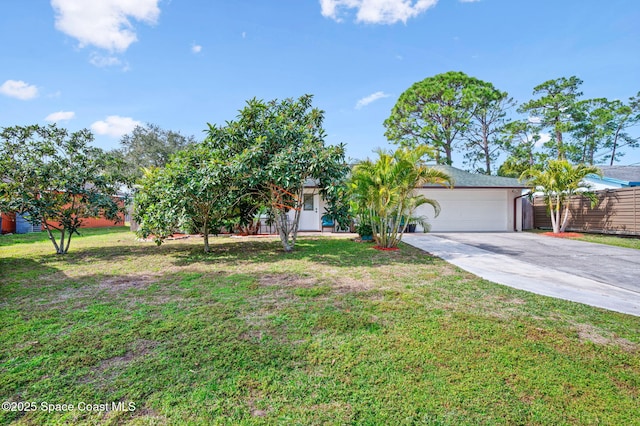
23	226
615	177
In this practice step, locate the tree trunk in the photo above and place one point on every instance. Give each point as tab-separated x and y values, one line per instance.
487	164
565	219
205	234
71	231
615	146
561	155
447	150
485	146
51	237
296	217
282	223
61	249
554	210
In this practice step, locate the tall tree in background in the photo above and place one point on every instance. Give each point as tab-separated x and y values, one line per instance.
592	119
486	135
521	140
436	112
57	179
623	117
554	108
149	146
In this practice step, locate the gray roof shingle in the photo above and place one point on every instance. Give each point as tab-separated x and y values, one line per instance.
464	179
623	173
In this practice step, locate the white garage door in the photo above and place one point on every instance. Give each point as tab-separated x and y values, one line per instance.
468	210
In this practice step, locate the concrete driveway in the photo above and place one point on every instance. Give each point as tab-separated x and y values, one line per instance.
594	274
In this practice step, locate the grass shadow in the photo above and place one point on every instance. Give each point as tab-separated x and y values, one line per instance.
343	253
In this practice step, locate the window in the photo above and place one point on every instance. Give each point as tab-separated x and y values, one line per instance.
308	202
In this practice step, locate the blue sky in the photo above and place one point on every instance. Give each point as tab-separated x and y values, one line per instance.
111	64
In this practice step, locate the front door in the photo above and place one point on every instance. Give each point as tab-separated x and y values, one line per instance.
310	215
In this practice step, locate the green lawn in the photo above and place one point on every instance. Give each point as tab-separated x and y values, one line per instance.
611	240
334	333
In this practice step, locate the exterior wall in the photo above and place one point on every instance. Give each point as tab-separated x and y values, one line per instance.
617	212
462	210
8	223
471	210
99	222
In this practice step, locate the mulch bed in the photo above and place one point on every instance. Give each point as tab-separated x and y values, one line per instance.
386	248
564	234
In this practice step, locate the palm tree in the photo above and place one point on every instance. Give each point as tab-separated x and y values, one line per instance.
558	182
384	192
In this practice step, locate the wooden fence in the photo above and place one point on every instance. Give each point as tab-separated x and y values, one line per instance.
617	212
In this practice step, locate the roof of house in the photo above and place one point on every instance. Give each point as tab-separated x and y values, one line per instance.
619	175
464	179
461	179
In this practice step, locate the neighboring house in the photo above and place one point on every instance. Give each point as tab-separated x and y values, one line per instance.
476	203
614	177
13	223
16	224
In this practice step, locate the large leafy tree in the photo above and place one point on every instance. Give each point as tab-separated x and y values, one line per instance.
384	192
558	181
149	146
554	108
193	191
155	209
437	112
57	179
274	148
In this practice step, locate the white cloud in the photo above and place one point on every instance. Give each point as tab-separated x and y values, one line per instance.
544	138
101	61
371	98
244	34
103	23
468	1
115	126
60	116
376	11
19	89
534	120
196	48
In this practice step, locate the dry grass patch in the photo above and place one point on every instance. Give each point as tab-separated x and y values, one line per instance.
589	333
109	369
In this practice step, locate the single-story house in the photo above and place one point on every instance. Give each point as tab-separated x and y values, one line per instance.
614	177
476	203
